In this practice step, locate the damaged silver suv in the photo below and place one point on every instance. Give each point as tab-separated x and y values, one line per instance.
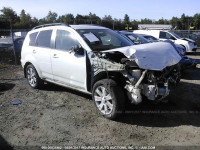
97	60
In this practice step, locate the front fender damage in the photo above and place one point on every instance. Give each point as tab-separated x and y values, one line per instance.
138	79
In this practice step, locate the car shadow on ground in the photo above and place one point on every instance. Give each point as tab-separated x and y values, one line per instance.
194	53
4	144
195	75
54	87
177	111
5	87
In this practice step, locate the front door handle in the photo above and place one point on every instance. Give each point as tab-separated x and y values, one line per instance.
55	56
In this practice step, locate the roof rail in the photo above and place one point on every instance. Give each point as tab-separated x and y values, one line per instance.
50	24
90	24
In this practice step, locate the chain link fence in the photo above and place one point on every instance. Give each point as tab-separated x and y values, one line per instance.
191	34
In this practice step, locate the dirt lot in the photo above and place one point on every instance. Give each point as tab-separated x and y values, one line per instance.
58	116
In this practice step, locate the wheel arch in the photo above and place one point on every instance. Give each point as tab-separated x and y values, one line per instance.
36	67
114	75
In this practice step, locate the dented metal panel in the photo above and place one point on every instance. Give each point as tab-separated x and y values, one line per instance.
151	56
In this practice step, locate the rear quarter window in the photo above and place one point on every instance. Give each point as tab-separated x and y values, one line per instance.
32	37
164	35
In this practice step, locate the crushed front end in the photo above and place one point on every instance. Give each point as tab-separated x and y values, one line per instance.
154	85
145	71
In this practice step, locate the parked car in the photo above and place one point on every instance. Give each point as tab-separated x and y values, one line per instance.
134	38
7	46
99	61
143	39
185	62
149	38
188	44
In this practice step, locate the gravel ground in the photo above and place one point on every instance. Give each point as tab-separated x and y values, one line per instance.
58	116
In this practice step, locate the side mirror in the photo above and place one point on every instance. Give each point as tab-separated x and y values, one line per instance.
77	49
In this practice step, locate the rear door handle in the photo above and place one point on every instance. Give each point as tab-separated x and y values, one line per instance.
55	56
34	51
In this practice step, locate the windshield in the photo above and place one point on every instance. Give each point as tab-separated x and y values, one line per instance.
136	39
150	38
174	34
103	39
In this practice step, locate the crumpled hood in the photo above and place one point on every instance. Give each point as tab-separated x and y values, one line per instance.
151	56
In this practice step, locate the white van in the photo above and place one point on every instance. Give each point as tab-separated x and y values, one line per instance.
188	44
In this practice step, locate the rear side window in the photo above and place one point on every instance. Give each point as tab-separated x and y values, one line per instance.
32	38
44	39
65	40
164	35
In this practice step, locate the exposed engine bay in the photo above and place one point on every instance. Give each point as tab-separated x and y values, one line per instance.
138	81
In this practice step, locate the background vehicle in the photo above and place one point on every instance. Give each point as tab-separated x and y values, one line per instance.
185	62
7	46
188	44
134	38
149	38
92	59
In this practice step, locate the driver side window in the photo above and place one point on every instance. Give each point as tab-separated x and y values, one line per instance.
65	40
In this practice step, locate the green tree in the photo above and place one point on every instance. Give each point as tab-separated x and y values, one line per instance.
176	23
118	24
126	19
134	24
107	21
196	21
7	15
80	19
146	21
94	19
25	20
183	22
67	18
51	17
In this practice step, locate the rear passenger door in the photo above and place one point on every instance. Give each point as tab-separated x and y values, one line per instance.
68	68
42	52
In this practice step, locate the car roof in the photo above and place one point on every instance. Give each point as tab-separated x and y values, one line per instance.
52	25
145	35
126	32
85	26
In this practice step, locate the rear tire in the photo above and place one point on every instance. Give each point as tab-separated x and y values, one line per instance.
32	77
108	98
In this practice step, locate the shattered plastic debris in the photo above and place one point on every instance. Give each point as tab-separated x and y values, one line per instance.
17	102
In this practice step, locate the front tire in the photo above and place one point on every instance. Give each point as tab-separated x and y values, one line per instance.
32	77
184	50
108	98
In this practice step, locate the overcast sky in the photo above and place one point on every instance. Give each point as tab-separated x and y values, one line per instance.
136	9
